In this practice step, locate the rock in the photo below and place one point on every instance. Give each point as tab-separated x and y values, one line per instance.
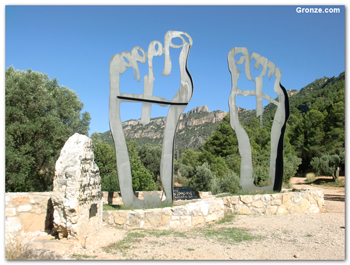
120	217
133	129
210	218
234	200
10	212
134	218
258	204
77	199
13	224
165	216
244	210
185	221
153	218
282	210
197	220
20	199
24	208
33	222
300	207
271	209
43	249
38	254
246	199
286	197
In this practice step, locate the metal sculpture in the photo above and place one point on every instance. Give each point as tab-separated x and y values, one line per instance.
279	123
177	105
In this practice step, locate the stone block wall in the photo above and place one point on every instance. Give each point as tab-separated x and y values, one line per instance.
212	209
27	214
306	201
193	214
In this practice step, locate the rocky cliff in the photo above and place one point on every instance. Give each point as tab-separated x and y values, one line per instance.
194	127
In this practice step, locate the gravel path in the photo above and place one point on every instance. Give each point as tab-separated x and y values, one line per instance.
287	237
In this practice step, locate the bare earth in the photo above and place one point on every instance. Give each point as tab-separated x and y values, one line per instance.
287	237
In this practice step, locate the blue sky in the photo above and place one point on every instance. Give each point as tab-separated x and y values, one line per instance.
75	45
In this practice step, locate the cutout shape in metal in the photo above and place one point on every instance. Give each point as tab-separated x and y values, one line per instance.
279	123
177	105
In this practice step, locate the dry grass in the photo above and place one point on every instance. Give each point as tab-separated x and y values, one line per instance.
310	177
13	248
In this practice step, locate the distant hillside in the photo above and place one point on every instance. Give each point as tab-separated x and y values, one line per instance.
196	125
322	89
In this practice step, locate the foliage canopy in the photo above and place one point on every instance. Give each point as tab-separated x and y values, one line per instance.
40	117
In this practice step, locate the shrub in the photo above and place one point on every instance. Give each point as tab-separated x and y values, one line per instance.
202	179
181	180
13	248
215	186
229	182
261	174
326	165
186	171
310	177
290	167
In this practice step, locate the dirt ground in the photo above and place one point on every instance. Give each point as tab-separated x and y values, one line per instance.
319	236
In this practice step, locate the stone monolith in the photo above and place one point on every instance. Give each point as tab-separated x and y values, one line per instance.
77	199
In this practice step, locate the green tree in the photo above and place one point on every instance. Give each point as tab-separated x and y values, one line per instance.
40	116
96	139
219	167
223	141
105	158
191	158
233	162
335	128
110	182
150	156
141	178
186	171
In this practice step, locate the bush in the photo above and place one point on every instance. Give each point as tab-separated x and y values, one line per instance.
310	177
13	248
202	179
228	183
290	167
215	186
185	171
326	165
181	180
261	174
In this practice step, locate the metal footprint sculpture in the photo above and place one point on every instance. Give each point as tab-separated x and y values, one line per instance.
279	122
177	105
